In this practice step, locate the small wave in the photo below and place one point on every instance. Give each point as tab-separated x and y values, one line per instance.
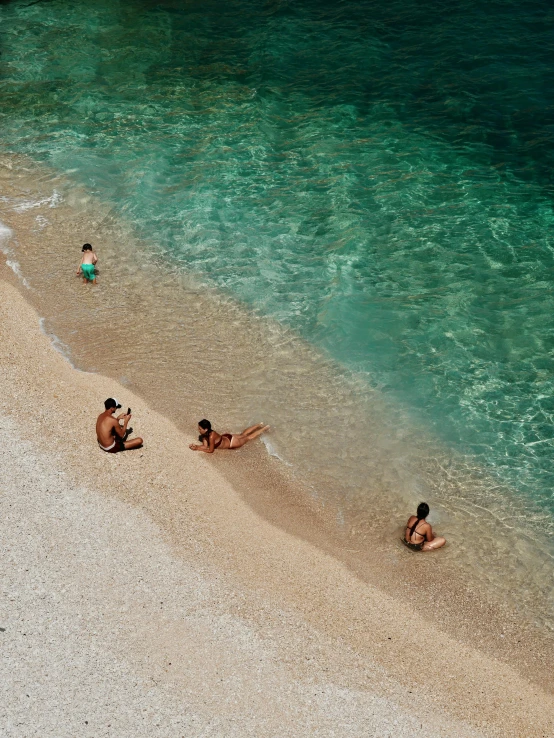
5	236
16	269
272	452
52	201
42	221
58	345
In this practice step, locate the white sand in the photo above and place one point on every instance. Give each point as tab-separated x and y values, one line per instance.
141	596
109	633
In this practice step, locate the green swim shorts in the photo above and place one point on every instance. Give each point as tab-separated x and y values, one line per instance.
88	271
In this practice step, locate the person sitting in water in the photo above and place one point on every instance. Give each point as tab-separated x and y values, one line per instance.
111	436
419	534
87	266
211	440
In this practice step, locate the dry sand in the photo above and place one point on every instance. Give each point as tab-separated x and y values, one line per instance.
142	596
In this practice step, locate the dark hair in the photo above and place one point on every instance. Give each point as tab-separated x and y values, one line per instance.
86	247
422	513
110	402
208	429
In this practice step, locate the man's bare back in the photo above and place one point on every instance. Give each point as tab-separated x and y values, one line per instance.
110	434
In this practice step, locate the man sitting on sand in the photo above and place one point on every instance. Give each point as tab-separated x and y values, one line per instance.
110	434
87	267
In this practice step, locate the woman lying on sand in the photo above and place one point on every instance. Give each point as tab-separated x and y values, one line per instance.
212	439
419	534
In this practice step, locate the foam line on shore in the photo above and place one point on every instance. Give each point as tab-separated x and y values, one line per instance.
6	235
57	344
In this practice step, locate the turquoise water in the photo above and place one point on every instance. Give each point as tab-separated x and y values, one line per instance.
378	176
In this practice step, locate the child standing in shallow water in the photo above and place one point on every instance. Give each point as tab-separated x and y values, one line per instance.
87	266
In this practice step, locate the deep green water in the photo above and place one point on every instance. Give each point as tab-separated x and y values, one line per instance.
377	176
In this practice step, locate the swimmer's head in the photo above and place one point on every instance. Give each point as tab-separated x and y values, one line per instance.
422	510
205	428
86	247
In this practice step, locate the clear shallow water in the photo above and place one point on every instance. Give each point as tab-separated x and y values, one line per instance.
376	176
191	352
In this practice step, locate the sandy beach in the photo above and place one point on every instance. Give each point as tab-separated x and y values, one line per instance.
143	596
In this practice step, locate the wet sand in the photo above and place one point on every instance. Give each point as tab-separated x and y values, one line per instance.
191	351
146	597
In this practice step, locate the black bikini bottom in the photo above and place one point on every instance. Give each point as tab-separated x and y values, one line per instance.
413	546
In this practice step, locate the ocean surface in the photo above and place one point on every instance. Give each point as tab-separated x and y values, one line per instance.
377	177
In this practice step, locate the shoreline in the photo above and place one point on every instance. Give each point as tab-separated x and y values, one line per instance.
191	353
270	573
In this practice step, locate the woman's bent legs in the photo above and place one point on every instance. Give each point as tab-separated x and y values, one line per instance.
437	542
